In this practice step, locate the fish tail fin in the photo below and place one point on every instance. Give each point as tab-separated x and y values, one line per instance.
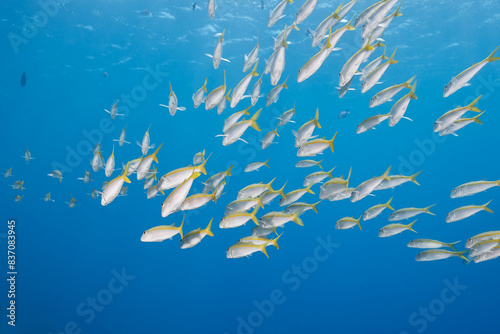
413	178
491	58
156	152
223	32
180	227
171	91
391	60
125	172
284	83
349	26
412	91
330	172
407	84
426	210
254	70
263	246
295	26
276	131
281	191
461	254
358	222
316	118
207	229
290	1
313	206
397	12
472	107
476	118
330	142
386	173
336	12
201	167
274	242
268	186
388	204
205	85
328	45
485	207
453	243
349	176
410	225
253	120
224	79
259	201
266	163
213	195
296	219
253	215
228	171
308	189
319	164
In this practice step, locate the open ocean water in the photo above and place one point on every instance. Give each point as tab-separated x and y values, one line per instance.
85	270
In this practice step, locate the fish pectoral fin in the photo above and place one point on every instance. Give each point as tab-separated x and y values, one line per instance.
181	108
106	110
407	118
162	105
226	60
208	55
243	140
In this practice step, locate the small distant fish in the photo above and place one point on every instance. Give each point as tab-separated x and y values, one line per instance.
286	117
72	202
56	174
376	210
113	188
211	8
104	74
304	133
344	114
47	198
471	188
439	254
194	237
146	12
315	146
85	178
114	111
214	181
198	96
110	164
256	165
27	156
407	213
18	185
144	145
121	140
172	102
295	195
427	243
347	222
145	164
453	115
18	198
162	232
23	79
365	188
393	229
308	163
466	211
276	13
194	6
8	172
269	137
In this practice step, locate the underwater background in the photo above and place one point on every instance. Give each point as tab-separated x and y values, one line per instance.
80	57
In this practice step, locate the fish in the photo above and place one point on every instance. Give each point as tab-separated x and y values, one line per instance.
86	177
211	8
308	163
459	124
215	96
462	79
121	140
27	156
278	64
315	146
242	86
270	195
176	177
144	145
302	207
376	18
286	117
234	133
352	65
56	174
132	168
365	15
347	222
215	180
335	186
18	185
466	211
342	195
393	229
313	64
112	189
47	198
279	219
199	158
372	65
260	240
97	162
365	188
72	202
8	173
174	201
239	218
428	243
259	231
152	192
110	163
328	23
256	91
304	11
344	89
453	115
377	73
407	213
254	166
255	190
244	204
23	79
245	249
493	254
269	137
283	36
393	181
18	198
273	95
483	247
199	95
218	51
114	111
194	237
388	93
376	210
439	254
234	118
145	165
380	28
252	57
371	122
472	188
344	114
317	177
305	132
399	108
295	195
276	13
220	189
172	102
269	62
197	201
482	237
162	232
222	104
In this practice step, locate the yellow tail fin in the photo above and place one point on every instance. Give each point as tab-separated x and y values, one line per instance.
407	84
308	189
409	226
254	73
485	208
491	58
124	174
205	85
296	219
331	141
228	171
201	167
313	206
253	215
388	204
274	242
180	227
472	107
316	117
426	210
263	246
156	152
476	118
253	120
413	178
207	229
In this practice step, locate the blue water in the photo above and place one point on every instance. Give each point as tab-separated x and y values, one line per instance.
68	259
